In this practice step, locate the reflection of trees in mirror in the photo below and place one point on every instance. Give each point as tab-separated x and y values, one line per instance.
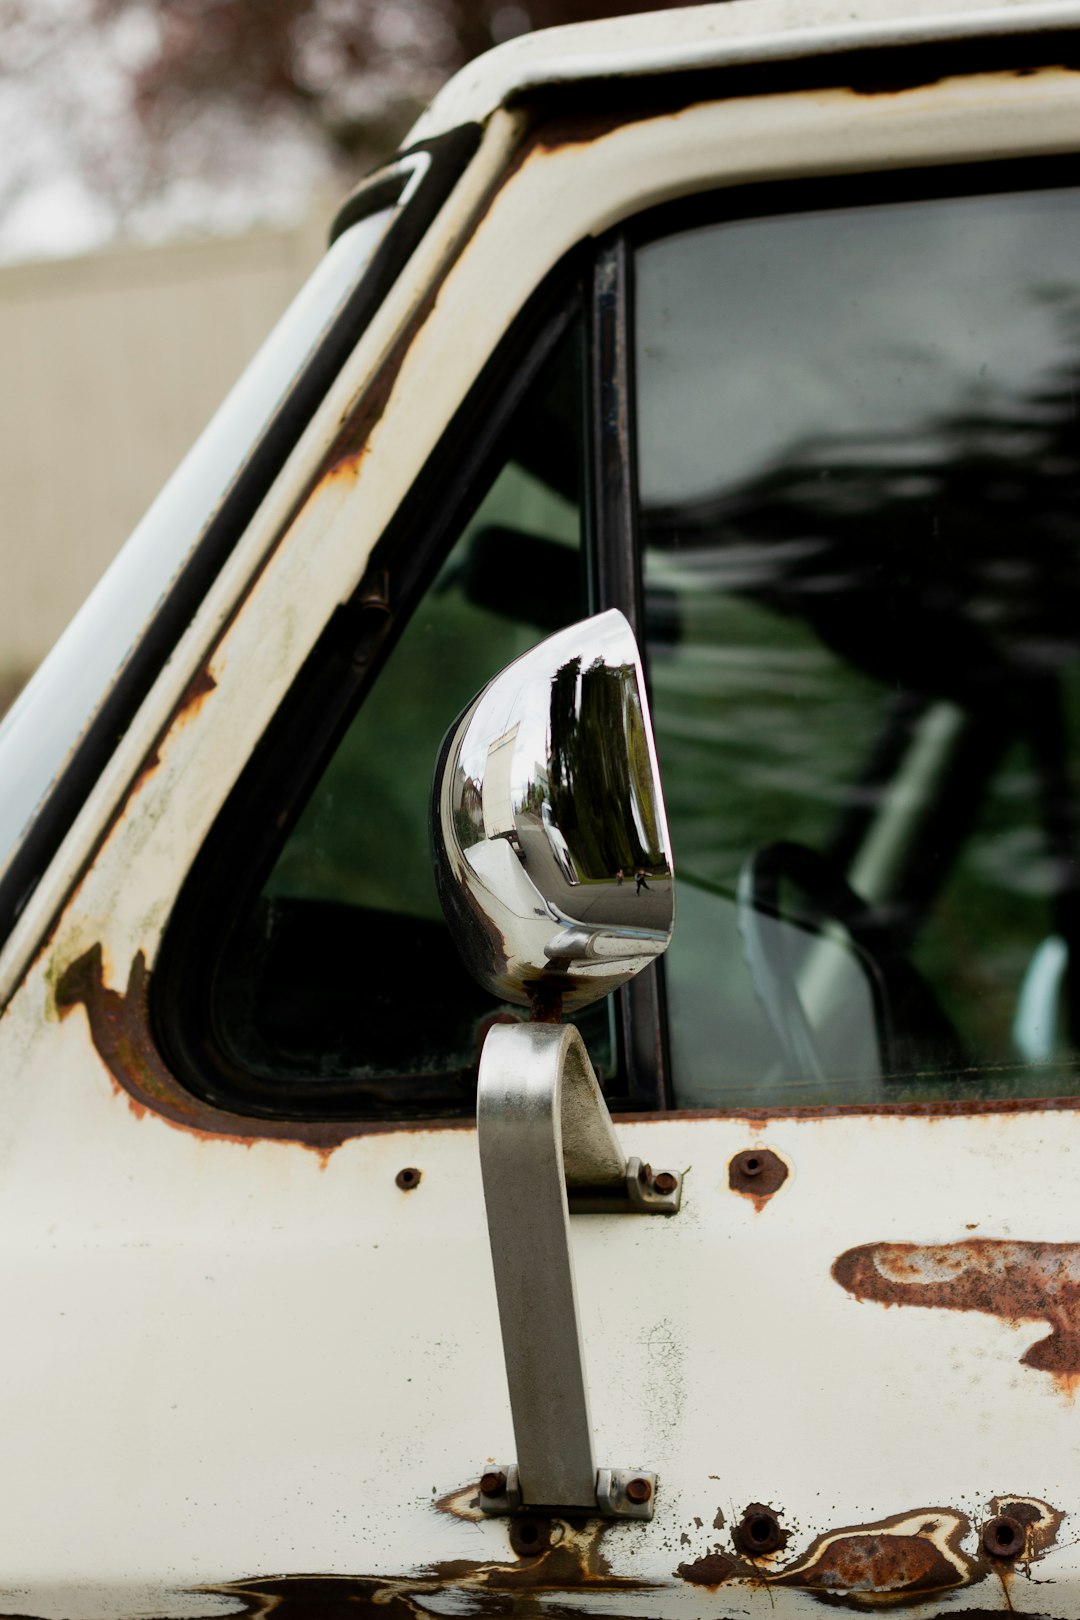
600	771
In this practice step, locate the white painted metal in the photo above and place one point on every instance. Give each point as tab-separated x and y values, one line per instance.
724	35
228	1358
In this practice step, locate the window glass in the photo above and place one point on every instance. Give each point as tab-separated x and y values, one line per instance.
860	499
345	969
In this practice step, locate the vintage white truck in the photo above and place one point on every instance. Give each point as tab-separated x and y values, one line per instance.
750	331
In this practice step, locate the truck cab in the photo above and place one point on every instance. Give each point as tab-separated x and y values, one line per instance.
709	379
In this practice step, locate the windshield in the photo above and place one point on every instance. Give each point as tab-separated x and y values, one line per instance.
41	731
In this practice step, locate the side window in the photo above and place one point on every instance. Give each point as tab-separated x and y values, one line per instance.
859	471
339	991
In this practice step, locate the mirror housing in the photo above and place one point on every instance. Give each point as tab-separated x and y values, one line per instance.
552	857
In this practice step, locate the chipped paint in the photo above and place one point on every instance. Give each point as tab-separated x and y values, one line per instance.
1018	1282
909	1555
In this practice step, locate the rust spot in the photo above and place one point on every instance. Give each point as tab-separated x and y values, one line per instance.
757	1173
759	1532
712	1570
530	1536
1003	1537
545	1002
896	1558
1039	1521
146	770
120	1030
199	687
1020	1282
565	1555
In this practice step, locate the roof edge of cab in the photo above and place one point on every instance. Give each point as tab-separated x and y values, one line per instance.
714	36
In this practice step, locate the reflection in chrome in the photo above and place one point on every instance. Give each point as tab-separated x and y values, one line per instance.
551	846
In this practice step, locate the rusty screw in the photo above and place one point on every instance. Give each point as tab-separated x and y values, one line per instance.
759	1532
750	1164
639	1489
1003	1536
665	1182
493	1483
408	1178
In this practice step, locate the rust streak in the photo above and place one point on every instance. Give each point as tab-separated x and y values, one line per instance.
120	1030
1019	1282
200	686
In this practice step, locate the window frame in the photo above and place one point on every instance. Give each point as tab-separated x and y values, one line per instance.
285	768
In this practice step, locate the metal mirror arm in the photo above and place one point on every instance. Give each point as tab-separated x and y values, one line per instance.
544	1127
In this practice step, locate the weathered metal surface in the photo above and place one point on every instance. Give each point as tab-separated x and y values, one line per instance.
759	1532
1019	1282
228	1355
557	1559
119	1023
902	1557
716	37
757	1173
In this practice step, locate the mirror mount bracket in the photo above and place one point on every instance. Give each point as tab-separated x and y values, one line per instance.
547	1145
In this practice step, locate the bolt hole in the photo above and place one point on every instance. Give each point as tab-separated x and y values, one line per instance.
760	1529
1003	1537
753	1164
408	1178
530	1536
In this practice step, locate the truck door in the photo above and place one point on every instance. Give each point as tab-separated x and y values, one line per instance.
789	378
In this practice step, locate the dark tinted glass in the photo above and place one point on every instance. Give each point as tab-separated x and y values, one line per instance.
860	485
345	970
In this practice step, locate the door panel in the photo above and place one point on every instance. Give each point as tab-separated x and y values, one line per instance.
249	1371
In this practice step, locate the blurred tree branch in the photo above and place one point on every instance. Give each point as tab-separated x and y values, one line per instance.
164	115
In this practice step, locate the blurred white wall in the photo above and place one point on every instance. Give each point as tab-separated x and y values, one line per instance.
110	366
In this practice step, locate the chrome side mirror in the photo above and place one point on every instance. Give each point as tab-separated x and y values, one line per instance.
554	870
552	857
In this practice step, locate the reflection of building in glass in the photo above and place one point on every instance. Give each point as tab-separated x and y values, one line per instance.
498	805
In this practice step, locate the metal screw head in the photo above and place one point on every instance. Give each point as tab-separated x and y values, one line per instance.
1003	1536
408	1178
750	1164
665	1182
493	1483
638	1489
